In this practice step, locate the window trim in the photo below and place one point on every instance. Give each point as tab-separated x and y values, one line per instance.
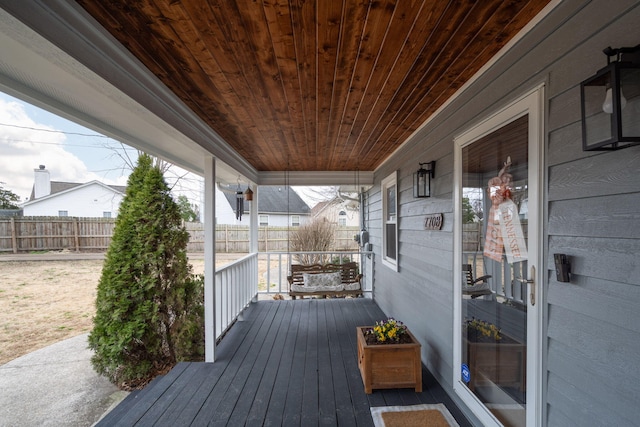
342	219
260	223
389	181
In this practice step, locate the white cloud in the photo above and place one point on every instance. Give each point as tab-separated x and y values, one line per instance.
23	149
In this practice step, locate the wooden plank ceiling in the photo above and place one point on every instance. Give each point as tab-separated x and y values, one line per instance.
323	85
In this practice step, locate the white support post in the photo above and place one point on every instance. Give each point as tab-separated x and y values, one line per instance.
253	228
253	222
209	258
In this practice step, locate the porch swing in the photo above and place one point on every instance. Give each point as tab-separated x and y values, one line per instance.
321	280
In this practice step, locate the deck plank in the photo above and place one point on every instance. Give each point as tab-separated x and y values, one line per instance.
327	398
147	400
262	370
309	415
243	358
345	398
286	363
275	410
295	388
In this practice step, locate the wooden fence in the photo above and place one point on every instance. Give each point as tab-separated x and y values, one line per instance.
33	234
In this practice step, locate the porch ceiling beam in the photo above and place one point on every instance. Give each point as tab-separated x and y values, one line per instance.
364	178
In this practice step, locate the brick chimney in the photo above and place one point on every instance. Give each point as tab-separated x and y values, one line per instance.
42	183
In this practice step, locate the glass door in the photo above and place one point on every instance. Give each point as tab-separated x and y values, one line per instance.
498	255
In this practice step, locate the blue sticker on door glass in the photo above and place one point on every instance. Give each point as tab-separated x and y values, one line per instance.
466	374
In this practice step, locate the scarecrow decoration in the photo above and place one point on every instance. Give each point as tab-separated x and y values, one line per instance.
504	231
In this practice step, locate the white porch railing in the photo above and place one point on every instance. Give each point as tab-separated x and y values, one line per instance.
275	266
236	286
265	274
503	281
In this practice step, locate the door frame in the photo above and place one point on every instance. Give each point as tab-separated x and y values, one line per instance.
532	103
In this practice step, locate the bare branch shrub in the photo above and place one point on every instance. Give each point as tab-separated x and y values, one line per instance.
315	236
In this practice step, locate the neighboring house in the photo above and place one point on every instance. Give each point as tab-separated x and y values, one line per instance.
55	198
343	213
276	208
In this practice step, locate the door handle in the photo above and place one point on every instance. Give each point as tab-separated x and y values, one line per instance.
532	282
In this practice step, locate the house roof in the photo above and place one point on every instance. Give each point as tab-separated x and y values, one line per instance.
336	201
320	206
59	187
276	200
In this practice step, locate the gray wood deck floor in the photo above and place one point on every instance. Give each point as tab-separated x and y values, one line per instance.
288	363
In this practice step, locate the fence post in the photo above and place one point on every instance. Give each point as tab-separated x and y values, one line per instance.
266	239
14	239
76	231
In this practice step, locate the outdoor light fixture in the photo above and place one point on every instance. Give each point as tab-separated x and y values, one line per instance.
422	179
610	102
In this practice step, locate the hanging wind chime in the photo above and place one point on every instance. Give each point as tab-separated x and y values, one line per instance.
239	203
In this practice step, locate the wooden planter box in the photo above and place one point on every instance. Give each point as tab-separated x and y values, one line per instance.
389	365
503	364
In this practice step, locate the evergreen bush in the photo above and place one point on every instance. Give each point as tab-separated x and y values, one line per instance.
149	306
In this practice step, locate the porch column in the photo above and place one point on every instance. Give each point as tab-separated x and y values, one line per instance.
253	222
253	235
209	259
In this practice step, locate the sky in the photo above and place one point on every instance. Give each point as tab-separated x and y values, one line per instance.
30	136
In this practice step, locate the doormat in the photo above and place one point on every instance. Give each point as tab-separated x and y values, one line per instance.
436	415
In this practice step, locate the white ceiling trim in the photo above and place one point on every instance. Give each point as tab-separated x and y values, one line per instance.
302	178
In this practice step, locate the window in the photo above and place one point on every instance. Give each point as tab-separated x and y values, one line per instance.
263	220
342	219
295	220
106	214
389	190
63	213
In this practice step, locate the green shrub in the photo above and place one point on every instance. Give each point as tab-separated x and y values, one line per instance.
149	304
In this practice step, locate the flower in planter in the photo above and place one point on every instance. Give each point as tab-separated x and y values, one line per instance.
390	330
485	330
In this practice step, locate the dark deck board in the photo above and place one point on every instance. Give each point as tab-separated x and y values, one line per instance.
309	414
264	384
236	365
279	389
347	346
287	363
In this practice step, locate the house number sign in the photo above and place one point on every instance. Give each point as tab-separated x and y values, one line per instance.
434	222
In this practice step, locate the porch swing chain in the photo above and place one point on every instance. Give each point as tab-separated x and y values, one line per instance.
286	185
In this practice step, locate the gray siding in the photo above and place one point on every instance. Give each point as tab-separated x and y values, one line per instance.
592	213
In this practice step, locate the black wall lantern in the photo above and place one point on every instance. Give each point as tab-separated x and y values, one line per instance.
611	102
422	179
